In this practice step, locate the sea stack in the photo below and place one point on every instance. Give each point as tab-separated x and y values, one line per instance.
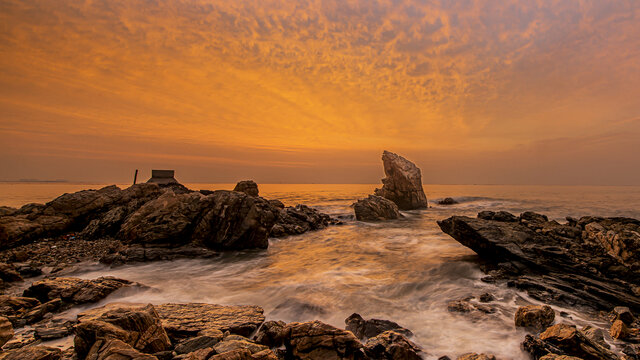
403	184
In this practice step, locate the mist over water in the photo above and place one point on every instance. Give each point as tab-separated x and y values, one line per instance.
404	270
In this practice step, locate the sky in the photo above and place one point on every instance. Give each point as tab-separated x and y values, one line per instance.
312	91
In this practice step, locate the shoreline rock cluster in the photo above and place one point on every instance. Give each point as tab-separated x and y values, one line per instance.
401	190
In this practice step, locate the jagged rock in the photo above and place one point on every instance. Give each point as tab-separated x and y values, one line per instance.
33	353
39	312
596	335
620	237
362	328
74	290
54	329
271	333
551	261
558	357
623	313
185	320
403	183
538	348
134	254
15	307
538	317
300	219
317	340
572	342
447	201
376	208
6	330
391	345
199	342
497	216
138	326
474	356
115	349
264	355
248	187
619	330
230	344
8	273
238	354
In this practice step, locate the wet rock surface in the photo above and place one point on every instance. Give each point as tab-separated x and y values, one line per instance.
295	220
317	340
75	291
403	182
392	345
376	208
538	317
364	329
553	262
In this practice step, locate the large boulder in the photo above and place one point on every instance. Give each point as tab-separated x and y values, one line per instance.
317	340
138	326
403	182
574	343
248	187
376	208
294	220
391	345
271	333
187	320
538	317
553	262
75	291
362	328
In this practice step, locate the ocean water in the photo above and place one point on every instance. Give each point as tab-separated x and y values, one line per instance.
403	270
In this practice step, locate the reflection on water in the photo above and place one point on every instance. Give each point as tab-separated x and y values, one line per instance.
404	270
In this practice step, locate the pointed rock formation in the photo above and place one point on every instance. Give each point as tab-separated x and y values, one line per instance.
403	184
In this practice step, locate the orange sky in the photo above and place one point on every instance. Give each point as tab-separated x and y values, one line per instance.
534	92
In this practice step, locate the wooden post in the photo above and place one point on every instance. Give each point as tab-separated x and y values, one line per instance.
135	177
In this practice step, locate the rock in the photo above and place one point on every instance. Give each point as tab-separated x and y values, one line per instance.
362	328
497	216
300	219
138	326
551	261
264	355
115	349
619	330
14	308
574	343
248	187
376	208
558	357
39	312
135	254
596	335
8	273
317	340
234	344
474	356
238	354
6	330
391	345
33	353
199	342
186	320
271	334
447	201
538	348
466	306
624	314
619	237
487	297
75	291
403	183
54	329
538	317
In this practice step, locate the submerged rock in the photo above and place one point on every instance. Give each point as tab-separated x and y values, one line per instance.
300	219
553	262
75	291
362	328
538	317
391	345
376	208
248	187
447	201
403	183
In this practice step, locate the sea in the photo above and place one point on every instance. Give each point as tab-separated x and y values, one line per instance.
404	270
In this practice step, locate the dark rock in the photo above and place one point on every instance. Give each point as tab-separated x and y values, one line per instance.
138	326
198	342
271	333
538	348
558	357
185	320
376	208
317	340
276	203
300	219
551	261
248	187
362	328
538	317
572	342
39	312
54	329
8	273
466	306
238	354
6	330
487	297
497	216
447	201
14	308
33	353
73	290
109	348
403	183
134	254
596	335
391	345
624	314
474	356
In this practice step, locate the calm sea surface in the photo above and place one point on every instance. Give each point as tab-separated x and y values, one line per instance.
404	270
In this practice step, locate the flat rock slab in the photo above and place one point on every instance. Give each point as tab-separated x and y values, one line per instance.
187	320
